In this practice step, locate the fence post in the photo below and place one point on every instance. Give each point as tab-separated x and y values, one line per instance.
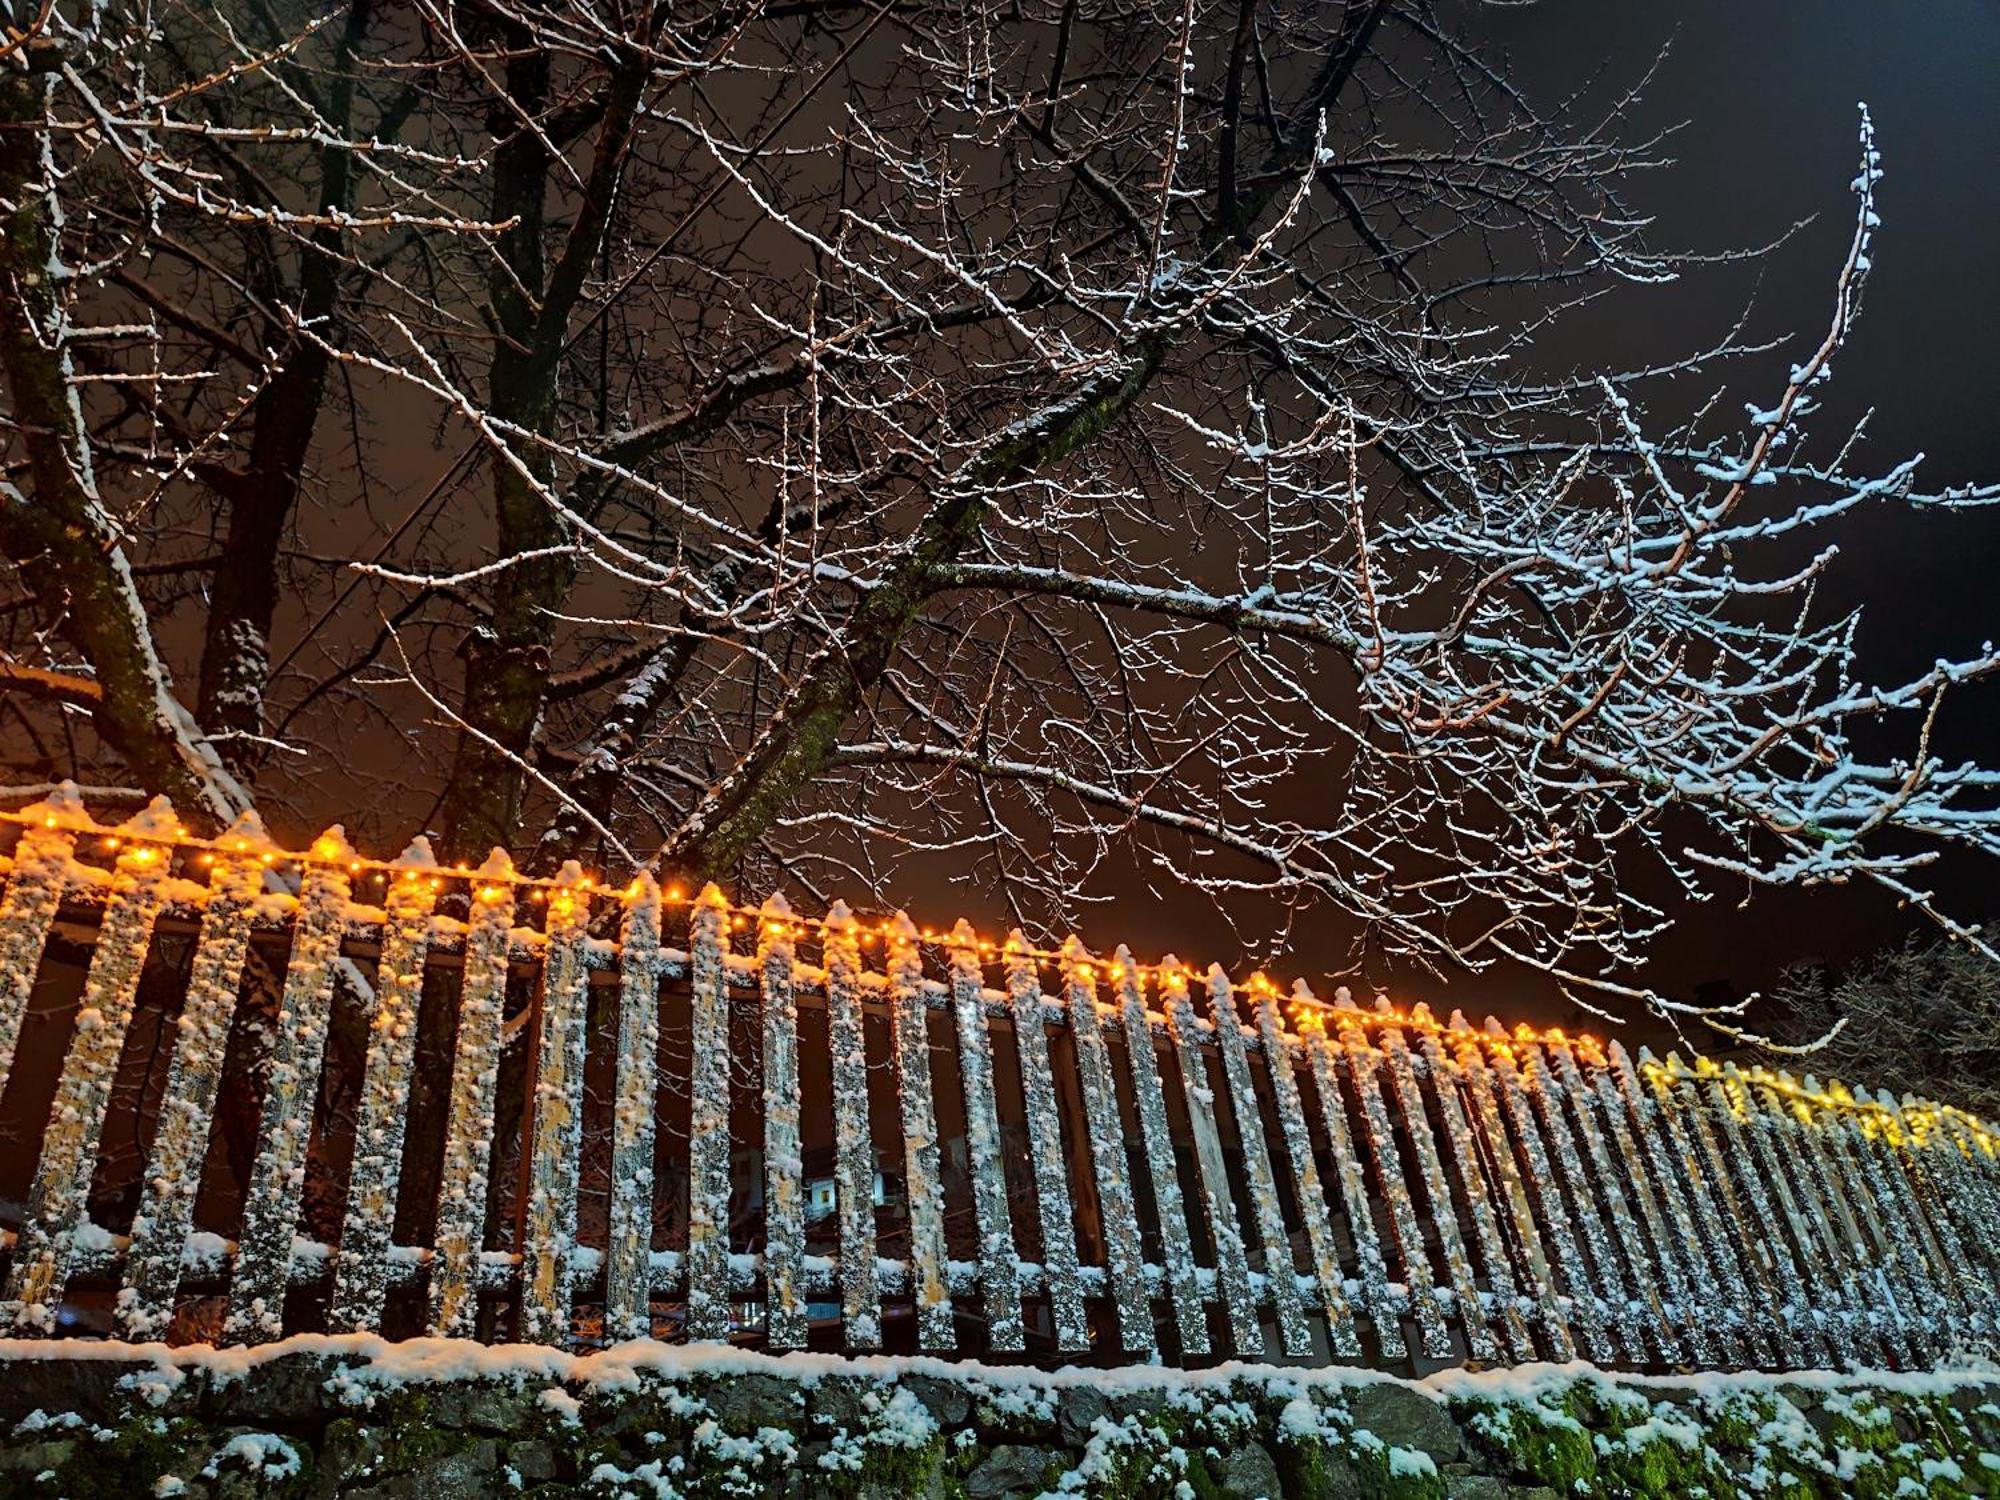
1176	1253
999	1270
1060	1280
57	1202
923	1181
708	1125
1232	1263
1105	1135
468	1147
277	1180
1314	1209
1279	1272
628	1255
784	1172
35	886
1468	1068
174	1166
854	1156
361	1273
556	1090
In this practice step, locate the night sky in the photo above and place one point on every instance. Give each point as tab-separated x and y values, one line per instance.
1762	101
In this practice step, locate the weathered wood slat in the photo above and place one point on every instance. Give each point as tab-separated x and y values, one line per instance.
1310	1192
360	1273
1232	1263
278	1178
1280	1274
999	1282
923	1185
35	886
629	1230
468	1144
174	1166
1061	1282
1176	1247
708	1122
1124	1265
854	1153
1472	1076
784	1168
1365	1067
44	1253
548	1237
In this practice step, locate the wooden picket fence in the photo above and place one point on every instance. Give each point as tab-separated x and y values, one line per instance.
1136	1162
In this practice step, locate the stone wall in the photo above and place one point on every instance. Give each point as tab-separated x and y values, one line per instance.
438	1420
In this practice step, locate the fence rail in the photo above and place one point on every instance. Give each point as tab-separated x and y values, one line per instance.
263	1090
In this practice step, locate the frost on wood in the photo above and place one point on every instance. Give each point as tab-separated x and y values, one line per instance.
1468	1303
910	1046
277	1180
1060	1278
1628	1313
361	1272
854	1156
1309	1192
56	1203
1473	1077
999	1282
174	1166
1591	1306
1176	1250
784	1169
549	1228
468	1145
1124	1264
708	1122
35	887
1280	1275
1232	1265
629	1237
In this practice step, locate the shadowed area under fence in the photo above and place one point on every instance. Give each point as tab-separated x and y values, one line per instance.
246	1091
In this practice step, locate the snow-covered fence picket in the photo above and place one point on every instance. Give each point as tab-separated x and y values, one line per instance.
246	1091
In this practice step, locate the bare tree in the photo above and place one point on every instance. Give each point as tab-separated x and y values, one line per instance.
1037	433
1920	1018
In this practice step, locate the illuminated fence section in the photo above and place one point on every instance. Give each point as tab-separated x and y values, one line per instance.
246	1091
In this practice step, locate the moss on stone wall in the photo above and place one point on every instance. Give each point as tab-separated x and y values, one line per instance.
324	1422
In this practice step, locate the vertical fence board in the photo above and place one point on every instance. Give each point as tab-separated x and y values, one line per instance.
361	1271
1314	1210
910	1045
174	1166
468	1145
1176	1250
708	1123
784	1165
35	887
999	1269
1124	1265
548	1238
1461	1150
628	1253
277	1180
1294	1337
1060	1279
854	1155
1476	1081
1232	1265
56	1203
1365	1066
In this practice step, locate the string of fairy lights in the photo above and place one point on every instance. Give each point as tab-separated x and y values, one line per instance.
139	841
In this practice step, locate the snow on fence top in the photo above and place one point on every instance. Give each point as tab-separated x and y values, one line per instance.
265	1090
